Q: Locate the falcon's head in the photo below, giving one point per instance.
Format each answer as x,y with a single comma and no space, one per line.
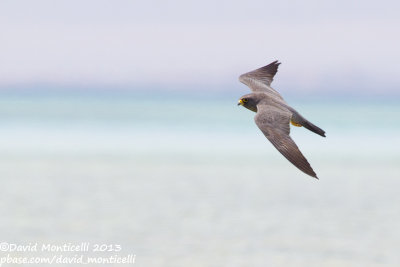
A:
249,101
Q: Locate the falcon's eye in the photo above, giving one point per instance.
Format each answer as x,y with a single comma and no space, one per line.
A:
245,100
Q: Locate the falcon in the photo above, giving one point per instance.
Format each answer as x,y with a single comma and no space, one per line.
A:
274,115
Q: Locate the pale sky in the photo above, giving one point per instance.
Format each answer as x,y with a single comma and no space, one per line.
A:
90,43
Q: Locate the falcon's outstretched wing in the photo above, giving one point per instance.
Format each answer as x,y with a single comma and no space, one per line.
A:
274,123
259,80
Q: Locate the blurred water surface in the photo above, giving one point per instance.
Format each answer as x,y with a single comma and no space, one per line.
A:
189,180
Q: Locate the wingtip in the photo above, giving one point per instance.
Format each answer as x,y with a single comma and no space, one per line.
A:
276,62
314,175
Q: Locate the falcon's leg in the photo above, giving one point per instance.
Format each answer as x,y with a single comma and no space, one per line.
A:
295,124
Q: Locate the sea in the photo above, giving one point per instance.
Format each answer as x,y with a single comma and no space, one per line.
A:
187,179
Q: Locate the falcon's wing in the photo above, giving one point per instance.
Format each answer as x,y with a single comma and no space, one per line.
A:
259,80
274,123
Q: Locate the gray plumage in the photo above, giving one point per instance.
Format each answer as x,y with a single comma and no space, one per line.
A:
274,115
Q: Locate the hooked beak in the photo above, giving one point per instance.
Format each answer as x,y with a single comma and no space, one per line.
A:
240,103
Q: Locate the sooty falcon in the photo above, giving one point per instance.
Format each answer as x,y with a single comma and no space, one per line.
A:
274,115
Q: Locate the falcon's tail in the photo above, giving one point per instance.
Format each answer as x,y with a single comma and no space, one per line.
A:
313,128
297,118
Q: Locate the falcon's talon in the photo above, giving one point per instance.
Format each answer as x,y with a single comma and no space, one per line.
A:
295,124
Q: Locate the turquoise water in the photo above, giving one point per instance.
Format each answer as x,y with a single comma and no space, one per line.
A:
191,181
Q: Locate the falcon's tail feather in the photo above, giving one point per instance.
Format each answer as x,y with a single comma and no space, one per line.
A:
313,128
297,118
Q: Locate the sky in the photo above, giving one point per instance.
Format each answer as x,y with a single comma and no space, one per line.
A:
323,45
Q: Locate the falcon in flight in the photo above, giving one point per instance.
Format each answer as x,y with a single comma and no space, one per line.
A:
274,115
